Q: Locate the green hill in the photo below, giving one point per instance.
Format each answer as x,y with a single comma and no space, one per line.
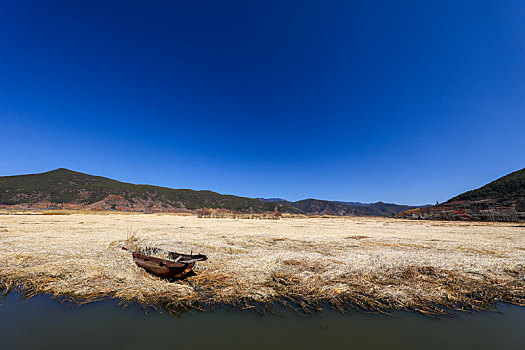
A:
507,188
63,186
501,200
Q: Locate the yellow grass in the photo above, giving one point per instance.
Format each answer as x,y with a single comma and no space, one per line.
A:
369,263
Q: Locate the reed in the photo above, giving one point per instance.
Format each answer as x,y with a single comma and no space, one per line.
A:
228,214
372,264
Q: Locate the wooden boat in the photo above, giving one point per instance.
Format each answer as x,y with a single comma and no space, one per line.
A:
176,266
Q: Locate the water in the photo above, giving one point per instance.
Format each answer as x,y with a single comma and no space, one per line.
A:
42,323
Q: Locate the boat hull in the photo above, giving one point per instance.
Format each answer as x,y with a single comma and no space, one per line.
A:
161,267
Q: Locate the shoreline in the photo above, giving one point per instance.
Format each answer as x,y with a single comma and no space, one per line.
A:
300,307
263,309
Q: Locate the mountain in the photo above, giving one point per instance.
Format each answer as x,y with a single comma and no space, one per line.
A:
355,203
508,190
322,207
391,208
65,188
501,200
280,200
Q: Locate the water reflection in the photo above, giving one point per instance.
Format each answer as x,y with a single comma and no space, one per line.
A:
43,323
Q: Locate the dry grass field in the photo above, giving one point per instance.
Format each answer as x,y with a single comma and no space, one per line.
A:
373,264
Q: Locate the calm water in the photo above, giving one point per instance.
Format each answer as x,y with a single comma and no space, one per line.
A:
41,323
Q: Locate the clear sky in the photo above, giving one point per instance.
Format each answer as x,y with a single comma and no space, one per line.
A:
400,101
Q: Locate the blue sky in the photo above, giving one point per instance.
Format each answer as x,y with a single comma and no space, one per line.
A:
399,101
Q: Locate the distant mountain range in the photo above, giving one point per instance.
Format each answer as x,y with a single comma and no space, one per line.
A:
502,199
63,188
323,207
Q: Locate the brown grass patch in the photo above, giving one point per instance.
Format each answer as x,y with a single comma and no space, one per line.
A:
298,262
